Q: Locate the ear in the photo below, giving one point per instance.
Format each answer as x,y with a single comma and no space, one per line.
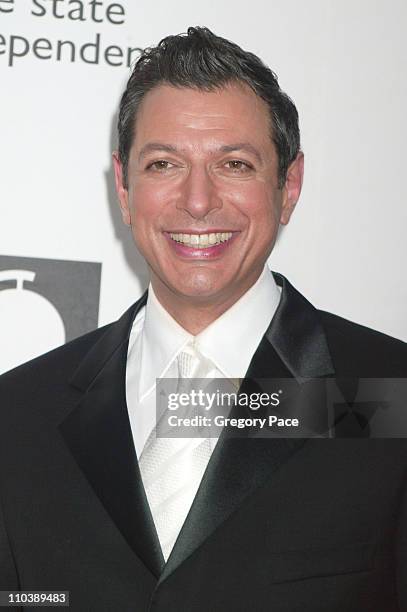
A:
292,187
121,190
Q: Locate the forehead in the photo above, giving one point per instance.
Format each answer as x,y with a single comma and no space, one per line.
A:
233,112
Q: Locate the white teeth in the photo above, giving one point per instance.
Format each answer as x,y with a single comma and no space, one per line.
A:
202,240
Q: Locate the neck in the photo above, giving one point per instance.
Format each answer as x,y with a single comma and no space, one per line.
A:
194,314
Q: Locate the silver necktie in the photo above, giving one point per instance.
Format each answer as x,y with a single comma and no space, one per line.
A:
172,468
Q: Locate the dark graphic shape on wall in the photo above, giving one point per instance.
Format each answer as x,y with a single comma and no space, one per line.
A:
44,303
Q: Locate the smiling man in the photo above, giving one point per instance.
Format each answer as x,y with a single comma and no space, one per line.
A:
92,500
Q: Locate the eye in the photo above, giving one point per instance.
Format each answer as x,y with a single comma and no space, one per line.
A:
159,165
237,165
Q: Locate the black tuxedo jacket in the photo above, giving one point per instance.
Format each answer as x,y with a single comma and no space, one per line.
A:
277,524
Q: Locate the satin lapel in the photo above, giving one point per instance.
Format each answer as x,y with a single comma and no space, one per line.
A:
297,335
294,346
98,434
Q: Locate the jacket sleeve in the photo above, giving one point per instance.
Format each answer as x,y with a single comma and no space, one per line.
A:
8,574
401,554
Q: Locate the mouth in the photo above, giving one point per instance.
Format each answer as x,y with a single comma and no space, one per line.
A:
201,245
201,241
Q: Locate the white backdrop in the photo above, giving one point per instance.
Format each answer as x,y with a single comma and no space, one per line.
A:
343,63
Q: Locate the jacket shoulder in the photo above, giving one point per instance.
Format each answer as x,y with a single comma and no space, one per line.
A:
56,362
363,351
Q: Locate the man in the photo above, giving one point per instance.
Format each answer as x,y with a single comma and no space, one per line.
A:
92,501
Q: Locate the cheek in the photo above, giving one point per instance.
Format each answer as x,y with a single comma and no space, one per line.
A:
147,204
260,204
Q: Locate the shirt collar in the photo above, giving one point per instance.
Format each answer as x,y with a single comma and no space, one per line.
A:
230,341
163,338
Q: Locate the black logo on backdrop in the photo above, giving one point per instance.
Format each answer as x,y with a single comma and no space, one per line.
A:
44,303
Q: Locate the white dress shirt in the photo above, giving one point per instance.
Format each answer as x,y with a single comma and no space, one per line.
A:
156,340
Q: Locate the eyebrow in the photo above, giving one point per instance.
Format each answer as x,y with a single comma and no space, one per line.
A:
241,146
156,146
150,147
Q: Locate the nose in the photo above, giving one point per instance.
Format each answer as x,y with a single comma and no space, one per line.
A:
199,196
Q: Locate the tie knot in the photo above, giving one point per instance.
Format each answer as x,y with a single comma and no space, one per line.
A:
185,361
192,364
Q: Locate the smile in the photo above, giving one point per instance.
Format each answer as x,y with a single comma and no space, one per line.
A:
202,240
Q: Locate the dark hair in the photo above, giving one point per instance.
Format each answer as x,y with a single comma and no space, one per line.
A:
202,60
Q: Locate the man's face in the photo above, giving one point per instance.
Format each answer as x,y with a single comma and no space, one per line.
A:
203,199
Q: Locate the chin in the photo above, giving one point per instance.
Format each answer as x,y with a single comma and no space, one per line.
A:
199,286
